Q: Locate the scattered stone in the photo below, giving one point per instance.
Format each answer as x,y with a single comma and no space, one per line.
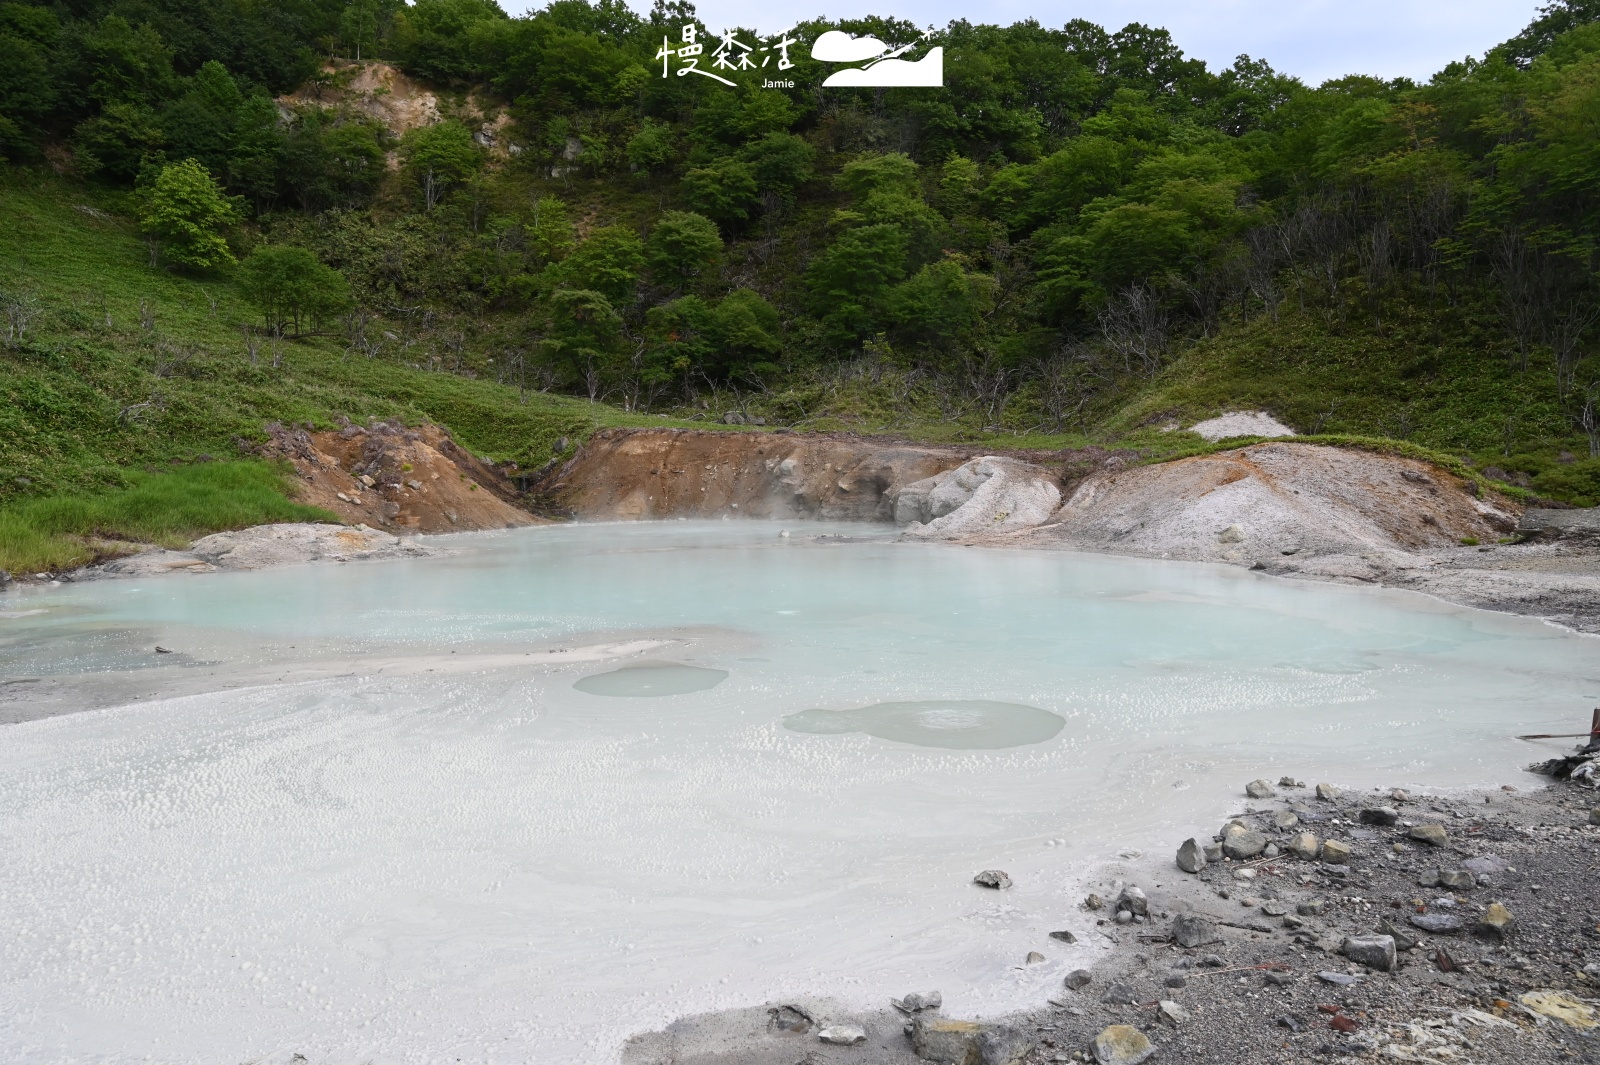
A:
1338,979
1457,880
1122,1044
1093,902
1172,1013
1033,958
1124,917
1485,866
1212,961
1336,853
1191,856
1379,815
1594,816
992,878
1403,941
1280,979
789,1019
1399,795
1078,979
918,1001
1496,921
1270,851
1284,820
1176,980
939,1039
1191,931
1433,835
1290,1023
1292,923
842,1035
1428,878
1241,844
1375,952
1133,900
1259,789
1304,845
1327,792
1562,1007
1120,994
1439,924
1314,908
1274,909
1213,852
1064,936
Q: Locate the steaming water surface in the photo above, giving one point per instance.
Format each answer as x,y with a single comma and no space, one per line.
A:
513,804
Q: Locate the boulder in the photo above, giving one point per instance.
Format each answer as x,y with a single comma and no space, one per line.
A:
946,1041
1373,951
1191,856
1033,958
1336,853
1000,1045
1457,880
1379,815
1122,1044
1120,994
1259,789
1213,852
1432,835
1284,820
1241,844
1133,900
1304,845
1064,936
1171,1012
1327,792
1402,940
1078,979
992,878
1191,931
917,1001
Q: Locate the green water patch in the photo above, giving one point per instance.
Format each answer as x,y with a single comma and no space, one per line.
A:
650,680
952,724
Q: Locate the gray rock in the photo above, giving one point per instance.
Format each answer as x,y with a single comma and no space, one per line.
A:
1270,851
942,1040
1304,845
1133,901
1432,835
1439,924
1485,865
1290,782
1379,815
1496,921
1189,930
1457,880
1191,856
1280,979
1259,789
1171,1012
1594,816
1336,853
1290,1023
1176,980
1338,979
1093,902
1122,1044
1314,908
1375,952
1078,979
789,1019
918,1001
1284,820
1327,792
1064,936
1428,878
992,878
1213,852
1000,1045
842,1035
1033,958
1120,994
1124,917
1212,961
1274,909
1292,923
1242,844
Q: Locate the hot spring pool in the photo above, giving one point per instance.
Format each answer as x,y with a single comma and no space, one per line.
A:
514,804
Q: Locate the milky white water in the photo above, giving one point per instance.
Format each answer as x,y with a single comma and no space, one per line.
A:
409,837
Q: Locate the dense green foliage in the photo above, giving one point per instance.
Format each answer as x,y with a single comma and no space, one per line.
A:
1084,235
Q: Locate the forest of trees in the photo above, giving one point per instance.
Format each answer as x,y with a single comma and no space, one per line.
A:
1069,211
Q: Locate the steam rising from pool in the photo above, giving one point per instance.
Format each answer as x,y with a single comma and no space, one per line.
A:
514,804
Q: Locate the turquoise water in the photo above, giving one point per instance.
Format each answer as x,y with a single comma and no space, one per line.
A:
421,810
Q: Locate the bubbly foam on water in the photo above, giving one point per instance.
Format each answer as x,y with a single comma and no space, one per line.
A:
383,825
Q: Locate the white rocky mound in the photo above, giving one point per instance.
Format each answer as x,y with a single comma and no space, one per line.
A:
266,545
983,495
1240,423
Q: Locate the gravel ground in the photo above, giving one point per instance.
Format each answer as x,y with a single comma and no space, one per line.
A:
1267,981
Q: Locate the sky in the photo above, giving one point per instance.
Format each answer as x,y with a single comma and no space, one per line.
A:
1311,39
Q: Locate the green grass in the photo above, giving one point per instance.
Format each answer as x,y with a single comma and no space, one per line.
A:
61,531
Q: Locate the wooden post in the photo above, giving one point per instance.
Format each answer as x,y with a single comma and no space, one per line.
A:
1594,727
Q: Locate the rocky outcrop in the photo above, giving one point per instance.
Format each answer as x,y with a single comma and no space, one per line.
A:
262,546
403,479
984,495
